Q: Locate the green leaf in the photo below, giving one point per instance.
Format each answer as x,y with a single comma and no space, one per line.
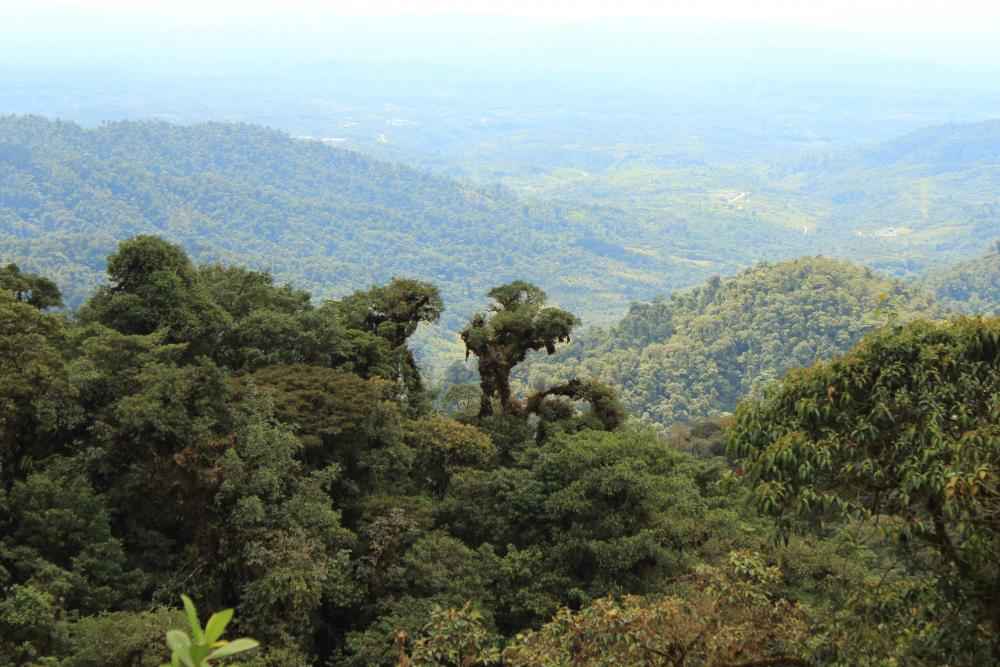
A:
192,616
178,641
217,625
233,647
198,653
180,644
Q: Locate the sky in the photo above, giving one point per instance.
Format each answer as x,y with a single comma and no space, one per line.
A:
972,15
959,32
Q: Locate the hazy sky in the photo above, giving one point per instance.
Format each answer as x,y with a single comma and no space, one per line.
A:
882,66
965,33
978,15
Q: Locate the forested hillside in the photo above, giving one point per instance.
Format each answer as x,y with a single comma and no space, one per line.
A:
972,286
332,221
697,353
200,430
941,148
326,219
934,189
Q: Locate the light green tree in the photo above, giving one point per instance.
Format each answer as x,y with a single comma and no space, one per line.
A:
900,435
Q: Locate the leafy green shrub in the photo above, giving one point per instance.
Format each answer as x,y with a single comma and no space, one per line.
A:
27,617
115,639
452,638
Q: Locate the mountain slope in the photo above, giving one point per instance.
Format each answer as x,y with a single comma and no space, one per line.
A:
326,219
942,147
972,286
697,353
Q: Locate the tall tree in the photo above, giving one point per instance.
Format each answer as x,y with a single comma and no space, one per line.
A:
393,312
502,336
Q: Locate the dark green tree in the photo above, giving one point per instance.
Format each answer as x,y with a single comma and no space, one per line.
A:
35,290
281,551
590,514
342,420
442,446
34,392
153,287
393,311
56,537
606,411
242,291
502,336
279,325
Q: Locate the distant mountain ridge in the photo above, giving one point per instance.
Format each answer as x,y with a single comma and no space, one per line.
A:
904,206
331,221
326,219
938,148
943,147
932,195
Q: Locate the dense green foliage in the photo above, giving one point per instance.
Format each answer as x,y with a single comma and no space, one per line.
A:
697,353
200,429
902,434
189,424
37,291
972,286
